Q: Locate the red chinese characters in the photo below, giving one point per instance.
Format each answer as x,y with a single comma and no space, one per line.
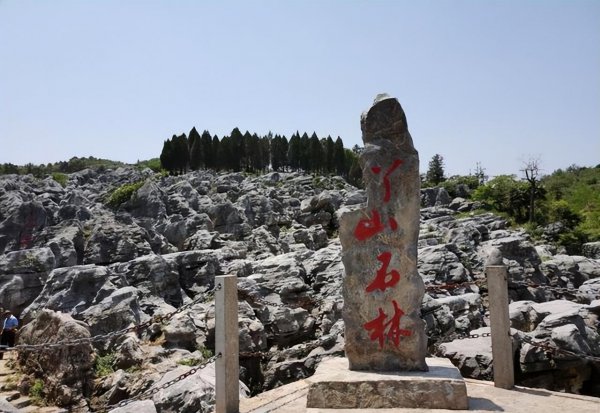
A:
381,281
369,227
386,178
380,328
383,327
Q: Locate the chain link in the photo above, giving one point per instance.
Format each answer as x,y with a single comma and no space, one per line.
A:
559,290
153,390
553,349
300,390
108,336
453,286
262,301
267,354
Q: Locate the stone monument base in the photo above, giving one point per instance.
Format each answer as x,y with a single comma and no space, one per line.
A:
335,386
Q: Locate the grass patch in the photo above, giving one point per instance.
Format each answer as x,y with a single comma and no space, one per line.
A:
36,392
103,365
123,194
61,178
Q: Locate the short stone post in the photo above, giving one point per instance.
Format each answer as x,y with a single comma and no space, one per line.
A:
227,392
502,351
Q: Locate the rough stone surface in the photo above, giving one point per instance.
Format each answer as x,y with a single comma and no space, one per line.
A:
382,288
68,371
335,386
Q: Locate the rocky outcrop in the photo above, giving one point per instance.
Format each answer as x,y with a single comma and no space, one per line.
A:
67,372
112,268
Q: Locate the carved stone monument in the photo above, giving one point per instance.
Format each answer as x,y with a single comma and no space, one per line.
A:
382,288
385,337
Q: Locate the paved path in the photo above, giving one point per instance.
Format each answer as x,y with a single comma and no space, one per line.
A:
483,397
10,399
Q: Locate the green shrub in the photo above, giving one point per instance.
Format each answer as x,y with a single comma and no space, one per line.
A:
60,178
189,362
103,365
123,194
36,392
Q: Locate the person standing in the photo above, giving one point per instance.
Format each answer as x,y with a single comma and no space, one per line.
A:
9,331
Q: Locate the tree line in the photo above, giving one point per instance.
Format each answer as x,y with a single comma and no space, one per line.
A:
257,154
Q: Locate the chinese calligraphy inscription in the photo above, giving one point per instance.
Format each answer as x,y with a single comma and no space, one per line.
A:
382,288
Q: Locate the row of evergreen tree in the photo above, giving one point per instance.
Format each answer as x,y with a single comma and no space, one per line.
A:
252,153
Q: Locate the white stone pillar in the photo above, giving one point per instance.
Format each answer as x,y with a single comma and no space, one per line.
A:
502,350
227,344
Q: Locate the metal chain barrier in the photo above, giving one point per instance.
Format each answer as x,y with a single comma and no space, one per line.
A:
153,390
262,301
559,290
267,354
108,336
553,349
453,286
303,391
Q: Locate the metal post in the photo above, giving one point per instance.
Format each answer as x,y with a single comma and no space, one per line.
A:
502,351
227,343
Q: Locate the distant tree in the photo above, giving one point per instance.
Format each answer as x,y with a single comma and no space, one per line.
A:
294,152
251,153
181,153
277,161
435,173
329,155
480,173
266,154
305,163
167,156
216,161
196,153
354,172
339,157
315,156
237,153
9,168
531,169
505,193
227,155
207,150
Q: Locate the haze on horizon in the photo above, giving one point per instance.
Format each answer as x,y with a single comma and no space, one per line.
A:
489,82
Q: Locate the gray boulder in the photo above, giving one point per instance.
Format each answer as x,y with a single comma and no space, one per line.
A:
22,276
434,197
68,374
591,250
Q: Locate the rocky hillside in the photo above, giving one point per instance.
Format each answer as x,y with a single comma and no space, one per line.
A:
114,250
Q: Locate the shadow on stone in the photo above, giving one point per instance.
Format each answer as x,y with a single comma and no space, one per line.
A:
479,403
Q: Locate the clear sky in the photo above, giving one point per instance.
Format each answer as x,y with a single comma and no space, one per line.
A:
494,82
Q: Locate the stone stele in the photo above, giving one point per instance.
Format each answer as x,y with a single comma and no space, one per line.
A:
382,288
385,365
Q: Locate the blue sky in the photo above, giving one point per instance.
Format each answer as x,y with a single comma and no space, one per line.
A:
494,82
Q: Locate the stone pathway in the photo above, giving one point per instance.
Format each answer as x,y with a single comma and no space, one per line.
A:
11,401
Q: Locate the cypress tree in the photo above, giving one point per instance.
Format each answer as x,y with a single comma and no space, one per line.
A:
305,152
207,150
217,162
167,159
315,154
196,154
435,173
329,155
294,149
339,157
236,151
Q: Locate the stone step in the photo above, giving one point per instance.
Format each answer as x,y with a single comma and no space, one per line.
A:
10,395
45,409
22,402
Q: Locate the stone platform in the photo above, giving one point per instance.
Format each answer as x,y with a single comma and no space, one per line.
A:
335,386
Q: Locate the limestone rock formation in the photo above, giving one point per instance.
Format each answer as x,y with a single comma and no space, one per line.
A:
67,372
